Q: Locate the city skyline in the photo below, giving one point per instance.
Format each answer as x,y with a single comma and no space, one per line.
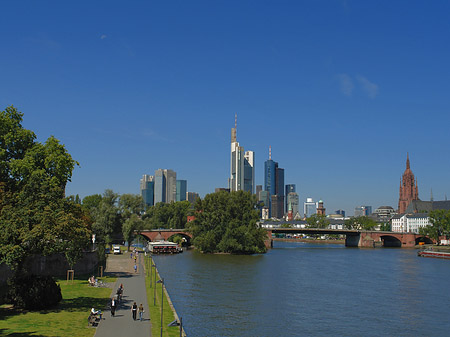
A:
341,90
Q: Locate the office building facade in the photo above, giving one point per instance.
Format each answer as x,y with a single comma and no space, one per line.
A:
160,186
147,187
309,207
181,190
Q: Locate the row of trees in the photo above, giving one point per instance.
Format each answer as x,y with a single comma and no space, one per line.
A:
116,217
359,222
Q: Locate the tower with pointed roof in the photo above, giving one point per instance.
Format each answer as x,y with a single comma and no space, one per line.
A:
408,188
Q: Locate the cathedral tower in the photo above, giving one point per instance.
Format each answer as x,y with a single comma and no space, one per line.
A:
408,189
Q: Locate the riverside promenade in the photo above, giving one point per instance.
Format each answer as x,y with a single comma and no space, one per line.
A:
122,324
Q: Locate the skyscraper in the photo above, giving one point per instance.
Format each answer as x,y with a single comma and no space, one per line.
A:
289,188
160,186
274,184
171,185
292,202
249,172
147,189
181,190
242,165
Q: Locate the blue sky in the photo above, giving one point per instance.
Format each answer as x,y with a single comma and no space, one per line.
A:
341,90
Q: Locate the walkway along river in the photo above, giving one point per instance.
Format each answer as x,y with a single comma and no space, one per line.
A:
303,289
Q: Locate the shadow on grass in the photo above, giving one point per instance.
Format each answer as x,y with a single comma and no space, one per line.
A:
4,332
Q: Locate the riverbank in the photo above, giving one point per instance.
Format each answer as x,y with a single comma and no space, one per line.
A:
320,241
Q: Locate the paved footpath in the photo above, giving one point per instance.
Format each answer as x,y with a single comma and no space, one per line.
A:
122,324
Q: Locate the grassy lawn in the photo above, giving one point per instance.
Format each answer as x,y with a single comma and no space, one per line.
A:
155,310
69,318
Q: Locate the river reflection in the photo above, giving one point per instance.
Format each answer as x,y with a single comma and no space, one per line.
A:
300,289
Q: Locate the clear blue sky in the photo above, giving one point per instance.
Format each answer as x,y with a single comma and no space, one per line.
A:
341,90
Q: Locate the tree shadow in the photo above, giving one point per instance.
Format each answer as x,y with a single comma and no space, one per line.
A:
4,332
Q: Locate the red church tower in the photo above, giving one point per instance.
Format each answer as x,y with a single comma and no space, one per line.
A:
408,189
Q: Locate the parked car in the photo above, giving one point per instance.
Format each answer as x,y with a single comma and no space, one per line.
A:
116,250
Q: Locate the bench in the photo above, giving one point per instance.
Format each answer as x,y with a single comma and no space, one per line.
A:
94,319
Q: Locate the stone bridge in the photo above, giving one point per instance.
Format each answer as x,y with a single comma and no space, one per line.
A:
165,234
359,238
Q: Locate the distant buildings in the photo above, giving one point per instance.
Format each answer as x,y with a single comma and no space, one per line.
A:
410,223
320,209
309,207
192,197
162,187
363,211
340,212
292,200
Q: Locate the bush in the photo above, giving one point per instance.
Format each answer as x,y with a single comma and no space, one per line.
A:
34,292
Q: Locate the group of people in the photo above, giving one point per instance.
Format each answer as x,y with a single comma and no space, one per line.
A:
92,281
135,310
135,254
116,299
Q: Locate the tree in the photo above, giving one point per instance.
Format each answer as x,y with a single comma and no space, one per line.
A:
360,223
132,224
440,225
107,217
35,218
317,221
227,222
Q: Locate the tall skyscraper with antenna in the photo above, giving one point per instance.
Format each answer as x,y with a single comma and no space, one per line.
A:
242,165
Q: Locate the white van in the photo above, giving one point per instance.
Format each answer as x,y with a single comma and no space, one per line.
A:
116,250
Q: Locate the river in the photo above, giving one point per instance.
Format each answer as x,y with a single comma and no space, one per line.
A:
304,289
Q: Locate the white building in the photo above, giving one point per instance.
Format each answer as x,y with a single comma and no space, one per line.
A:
309,207
410,223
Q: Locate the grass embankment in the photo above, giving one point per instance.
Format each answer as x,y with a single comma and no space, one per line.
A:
155,310
69,318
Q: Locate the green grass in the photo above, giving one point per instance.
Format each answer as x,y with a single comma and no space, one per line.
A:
69,318
155,310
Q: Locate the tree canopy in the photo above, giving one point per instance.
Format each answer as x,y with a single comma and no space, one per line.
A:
227,222
440,225
35,217
360,223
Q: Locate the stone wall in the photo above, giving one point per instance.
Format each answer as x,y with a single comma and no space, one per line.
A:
55,265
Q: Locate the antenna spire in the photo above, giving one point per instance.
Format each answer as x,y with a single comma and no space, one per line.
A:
270,152
235,120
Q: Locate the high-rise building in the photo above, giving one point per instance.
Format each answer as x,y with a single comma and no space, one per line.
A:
277,206
288,189
258,190
249,172
181,190
341,212
309,207
147,188
242,165
408,189
160,186
363,211
274,184
264,197
292,202
192,197
270,176
171,185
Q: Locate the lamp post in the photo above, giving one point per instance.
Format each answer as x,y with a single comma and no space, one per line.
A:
154,289
162,301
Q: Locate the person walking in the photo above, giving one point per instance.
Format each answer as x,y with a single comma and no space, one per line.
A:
141,312
135,268
113,306
134,310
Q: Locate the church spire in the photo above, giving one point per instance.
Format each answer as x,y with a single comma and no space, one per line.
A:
407,160
431,196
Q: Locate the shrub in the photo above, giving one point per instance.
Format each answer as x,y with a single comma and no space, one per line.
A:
34,292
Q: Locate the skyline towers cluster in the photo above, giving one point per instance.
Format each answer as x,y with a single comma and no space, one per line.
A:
162,187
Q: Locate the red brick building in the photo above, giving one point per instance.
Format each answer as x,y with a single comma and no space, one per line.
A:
408,189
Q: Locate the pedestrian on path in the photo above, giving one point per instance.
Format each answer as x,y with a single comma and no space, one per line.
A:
135,268
113,306
141,312
134,310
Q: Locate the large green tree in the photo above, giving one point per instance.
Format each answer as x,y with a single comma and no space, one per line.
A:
227,222
360,223
440,225
317,221
35,217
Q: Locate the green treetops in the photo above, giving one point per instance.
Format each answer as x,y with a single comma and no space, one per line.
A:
440,225
227,222
35,218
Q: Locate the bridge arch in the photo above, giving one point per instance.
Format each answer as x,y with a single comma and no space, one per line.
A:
165,234
390,241
424,239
